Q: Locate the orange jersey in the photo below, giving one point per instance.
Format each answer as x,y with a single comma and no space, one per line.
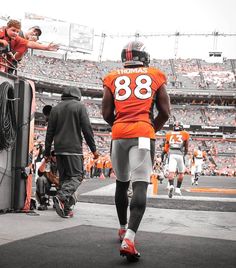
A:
134,91
99,163
175,140
108,164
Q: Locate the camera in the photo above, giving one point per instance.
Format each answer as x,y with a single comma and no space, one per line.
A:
4,49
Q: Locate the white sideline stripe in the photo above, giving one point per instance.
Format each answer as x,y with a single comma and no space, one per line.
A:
199,198
109,190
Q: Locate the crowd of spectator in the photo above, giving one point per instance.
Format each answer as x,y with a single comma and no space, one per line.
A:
183,73
202,74
187,114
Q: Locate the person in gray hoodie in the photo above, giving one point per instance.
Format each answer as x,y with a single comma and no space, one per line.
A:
67,122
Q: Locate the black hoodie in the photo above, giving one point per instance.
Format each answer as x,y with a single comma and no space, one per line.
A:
67,121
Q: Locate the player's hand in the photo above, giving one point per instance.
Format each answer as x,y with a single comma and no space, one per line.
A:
95,155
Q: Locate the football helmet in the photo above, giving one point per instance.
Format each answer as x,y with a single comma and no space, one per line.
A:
178,126
134,54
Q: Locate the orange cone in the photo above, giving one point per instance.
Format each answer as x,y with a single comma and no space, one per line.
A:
155,184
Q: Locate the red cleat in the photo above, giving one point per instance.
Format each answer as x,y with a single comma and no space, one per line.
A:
69,214
128,249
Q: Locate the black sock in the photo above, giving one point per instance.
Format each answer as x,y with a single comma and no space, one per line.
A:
179,183
137,204
122,201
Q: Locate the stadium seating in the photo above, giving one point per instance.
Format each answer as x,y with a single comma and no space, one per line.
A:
183,73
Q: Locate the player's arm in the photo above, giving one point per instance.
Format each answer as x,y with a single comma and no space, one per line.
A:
166,147
108,106
186,145
163,107
42,167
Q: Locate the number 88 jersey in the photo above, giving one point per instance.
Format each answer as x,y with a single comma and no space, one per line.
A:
134,92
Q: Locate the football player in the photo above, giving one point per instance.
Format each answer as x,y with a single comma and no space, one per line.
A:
176,145
198,157
130,94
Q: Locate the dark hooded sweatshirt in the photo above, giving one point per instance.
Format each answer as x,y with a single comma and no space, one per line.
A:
67,121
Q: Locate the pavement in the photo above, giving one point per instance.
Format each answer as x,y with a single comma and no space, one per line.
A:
197,229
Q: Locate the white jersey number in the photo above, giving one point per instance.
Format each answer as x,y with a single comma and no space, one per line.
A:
176,139
122,84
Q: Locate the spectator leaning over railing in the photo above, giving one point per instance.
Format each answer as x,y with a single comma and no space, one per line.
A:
32,34
15,46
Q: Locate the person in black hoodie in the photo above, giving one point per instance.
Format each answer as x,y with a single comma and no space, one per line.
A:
67,122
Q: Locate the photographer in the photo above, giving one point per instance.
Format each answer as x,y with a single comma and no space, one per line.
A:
47,177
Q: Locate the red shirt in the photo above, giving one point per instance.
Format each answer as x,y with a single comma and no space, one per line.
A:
18,44
134,91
